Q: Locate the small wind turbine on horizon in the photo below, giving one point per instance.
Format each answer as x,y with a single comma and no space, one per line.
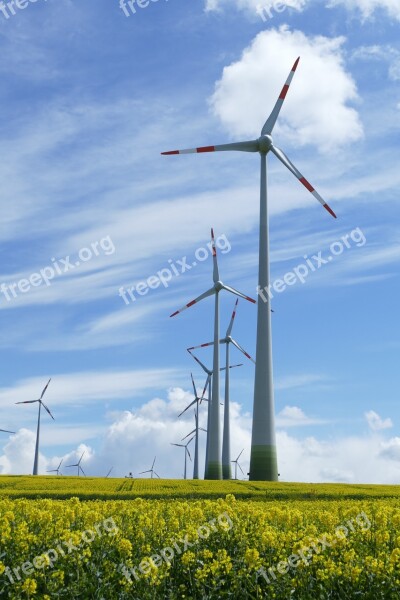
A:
41,403
152,471
226,438
187,454
236,463
78,465
263,458
57,471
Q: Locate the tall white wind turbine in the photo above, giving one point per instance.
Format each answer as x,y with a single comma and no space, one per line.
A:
214,464
263,459
226,438
41,403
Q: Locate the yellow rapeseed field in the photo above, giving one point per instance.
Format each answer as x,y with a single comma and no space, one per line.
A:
170,548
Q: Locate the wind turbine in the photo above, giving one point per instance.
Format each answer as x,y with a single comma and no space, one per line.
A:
226,440
208,383
263,460
41,403
214,465
187,453
56,470
236,462
152,471
78,464
196,401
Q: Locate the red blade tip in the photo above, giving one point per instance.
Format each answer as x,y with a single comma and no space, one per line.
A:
330,211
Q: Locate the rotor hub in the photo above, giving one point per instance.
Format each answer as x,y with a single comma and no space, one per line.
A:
219,286
265,143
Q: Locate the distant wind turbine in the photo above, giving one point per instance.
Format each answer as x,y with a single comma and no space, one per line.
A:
208,383
226,440
56,470
41,403
236,463
196,401
78,465
187,454
152,471
263,459
214,464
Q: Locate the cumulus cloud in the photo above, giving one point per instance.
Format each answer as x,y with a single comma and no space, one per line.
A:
293,416
317,110
369,7
386,53
375,422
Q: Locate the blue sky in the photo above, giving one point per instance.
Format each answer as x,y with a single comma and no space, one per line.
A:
89,99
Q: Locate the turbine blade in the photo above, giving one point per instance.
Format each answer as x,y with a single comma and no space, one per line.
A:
6,431
194,385
242,350
240,454
191,404
232,367
82,471
215,259
228,288
27,402
187,450
286,161
204,390
201,346
201,364
186,436
240,468
179,445
157,475
250,146
45,388
198,299
229,330
45,407
270,122
154,462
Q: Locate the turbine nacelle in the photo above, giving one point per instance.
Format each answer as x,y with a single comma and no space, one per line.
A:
265,143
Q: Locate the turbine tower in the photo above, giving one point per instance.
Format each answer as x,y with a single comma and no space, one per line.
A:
39,400
214,465
263,459
226,438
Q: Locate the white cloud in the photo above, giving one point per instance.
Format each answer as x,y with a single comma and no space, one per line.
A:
317,109
388,54
376,423
293,416
369,7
